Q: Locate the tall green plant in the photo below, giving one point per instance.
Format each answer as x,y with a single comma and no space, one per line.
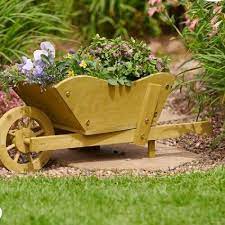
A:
22,23
204,36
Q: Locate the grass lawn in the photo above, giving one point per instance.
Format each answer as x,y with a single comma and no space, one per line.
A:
197,198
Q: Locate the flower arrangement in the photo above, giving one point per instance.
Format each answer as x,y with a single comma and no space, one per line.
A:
118,61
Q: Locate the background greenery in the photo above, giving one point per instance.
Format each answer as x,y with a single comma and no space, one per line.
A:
208,49
114,18
26,22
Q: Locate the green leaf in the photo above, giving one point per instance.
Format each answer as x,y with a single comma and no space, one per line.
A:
112,81
45,59
128,83
121,81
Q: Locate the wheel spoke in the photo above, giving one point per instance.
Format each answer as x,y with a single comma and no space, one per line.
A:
19,124
30,158
16,157
10,147
29,123
38,133
12,133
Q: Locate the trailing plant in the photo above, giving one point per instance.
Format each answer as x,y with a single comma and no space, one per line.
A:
118,61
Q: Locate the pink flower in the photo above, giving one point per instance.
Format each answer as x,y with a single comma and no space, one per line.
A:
215,23
8,102
214,20
155,6
217,9
153,2
215,29
191,24
151,57
152,11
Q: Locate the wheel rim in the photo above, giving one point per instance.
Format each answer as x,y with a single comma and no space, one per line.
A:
16,125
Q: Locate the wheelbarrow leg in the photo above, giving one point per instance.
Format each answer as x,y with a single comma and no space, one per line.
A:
151,149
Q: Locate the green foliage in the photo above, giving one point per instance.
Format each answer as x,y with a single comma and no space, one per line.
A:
116,60
195,198
10,77
25,22
206,41
113,18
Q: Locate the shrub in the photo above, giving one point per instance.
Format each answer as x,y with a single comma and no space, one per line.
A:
204,36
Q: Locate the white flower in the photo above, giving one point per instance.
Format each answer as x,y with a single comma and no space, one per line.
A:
38,53
49,47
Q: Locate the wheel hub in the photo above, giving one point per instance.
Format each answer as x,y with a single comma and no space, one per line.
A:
20,136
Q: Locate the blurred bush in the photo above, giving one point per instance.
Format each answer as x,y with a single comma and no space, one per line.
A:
24,22
8,101
114,18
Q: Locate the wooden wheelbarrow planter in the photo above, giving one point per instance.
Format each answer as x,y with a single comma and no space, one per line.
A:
88,112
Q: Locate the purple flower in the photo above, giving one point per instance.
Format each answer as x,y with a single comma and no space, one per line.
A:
26,66
39,67
48,50
35,71
38,71
71,51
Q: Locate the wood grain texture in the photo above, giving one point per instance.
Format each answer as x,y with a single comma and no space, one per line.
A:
101,108
89,105
77,140
151,149
147,113
50,102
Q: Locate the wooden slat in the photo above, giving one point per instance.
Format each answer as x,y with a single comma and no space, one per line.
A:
147,114
77,140
177,130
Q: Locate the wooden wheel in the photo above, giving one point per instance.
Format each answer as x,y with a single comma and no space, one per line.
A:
16,125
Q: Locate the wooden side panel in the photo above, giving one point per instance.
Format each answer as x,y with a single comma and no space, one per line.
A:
51,103
147,112
101,108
